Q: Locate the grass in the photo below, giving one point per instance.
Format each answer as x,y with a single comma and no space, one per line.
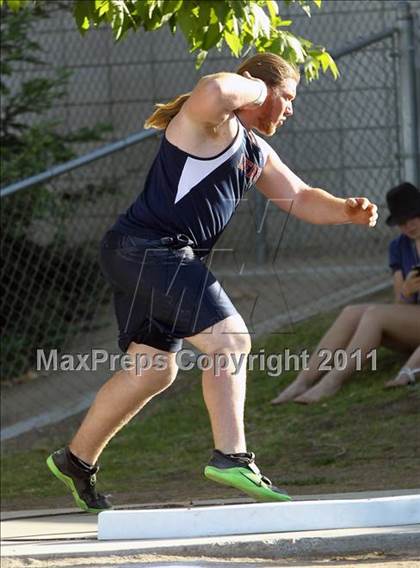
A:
363,438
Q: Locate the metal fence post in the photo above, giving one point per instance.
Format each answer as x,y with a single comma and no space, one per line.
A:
409,119
416,44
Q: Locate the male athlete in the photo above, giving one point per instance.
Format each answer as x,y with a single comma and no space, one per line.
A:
163,292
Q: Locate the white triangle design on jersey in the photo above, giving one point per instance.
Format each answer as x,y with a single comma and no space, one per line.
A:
195,170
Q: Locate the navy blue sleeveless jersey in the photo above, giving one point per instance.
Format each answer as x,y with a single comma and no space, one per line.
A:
185,194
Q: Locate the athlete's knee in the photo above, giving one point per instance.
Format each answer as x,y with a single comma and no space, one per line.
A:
166,372
158,370
229,353
227,336
232,342
163,380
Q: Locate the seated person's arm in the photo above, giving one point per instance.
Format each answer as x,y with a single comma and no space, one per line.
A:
406,288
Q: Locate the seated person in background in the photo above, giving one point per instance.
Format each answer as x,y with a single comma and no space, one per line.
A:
365,327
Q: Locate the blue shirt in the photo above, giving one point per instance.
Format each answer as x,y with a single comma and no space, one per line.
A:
195,196
403,256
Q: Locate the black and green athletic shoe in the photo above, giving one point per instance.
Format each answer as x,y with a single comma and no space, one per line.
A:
80,480
241,472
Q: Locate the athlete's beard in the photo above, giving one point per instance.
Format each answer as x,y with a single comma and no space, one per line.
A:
266,126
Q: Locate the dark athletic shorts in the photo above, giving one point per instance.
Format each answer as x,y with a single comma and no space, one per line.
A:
161,293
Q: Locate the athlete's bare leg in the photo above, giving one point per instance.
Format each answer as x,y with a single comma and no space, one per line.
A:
121,397
224,394
394,321
337,337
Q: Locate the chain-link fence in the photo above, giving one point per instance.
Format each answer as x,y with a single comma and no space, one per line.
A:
344,137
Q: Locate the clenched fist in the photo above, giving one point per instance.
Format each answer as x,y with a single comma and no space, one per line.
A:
361,211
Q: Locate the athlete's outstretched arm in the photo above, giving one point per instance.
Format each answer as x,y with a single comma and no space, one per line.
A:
284,188
215,97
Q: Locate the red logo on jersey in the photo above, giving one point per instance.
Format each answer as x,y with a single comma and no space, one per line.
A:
251,170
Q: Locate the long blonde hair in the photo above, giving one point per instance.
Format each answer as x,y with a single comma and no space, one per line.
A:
269,67
165,112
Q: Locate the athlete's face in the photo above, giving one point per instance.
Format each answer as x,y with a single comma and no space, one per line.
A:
277,107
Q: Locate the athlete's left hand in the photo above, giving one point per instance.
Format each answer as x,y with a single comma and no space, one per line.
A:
361,211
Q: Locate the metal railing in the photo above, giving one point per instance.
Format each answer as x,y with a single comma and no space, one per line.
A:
79,162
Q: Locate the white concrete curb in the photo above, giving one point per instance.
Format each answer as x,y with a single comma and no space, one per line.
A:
259,518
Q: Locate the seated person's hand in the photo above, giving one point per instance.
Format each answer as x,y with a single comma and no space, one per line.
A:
411,284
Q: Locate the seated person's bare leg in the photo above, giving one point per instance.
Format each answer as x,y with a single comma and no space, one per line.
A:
337,337
121,397
395,321
403,377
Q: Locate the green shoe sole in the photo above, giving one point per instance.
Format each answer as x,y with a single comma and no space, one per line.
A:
246,481
70,484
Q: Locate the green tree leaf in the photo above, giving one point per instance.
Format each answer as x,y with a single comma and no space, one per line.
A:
102,7
273,8
207,24
200,59
212,36
171,6
14,5
81,15
328,63
295,46
233,42
261,21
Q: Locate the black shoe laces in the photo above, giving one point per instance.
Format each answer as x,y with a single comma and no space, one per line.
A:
248,458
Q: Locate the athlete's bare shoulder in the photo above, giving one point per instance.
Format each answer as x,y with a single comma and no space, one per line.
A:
206,122
201,139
